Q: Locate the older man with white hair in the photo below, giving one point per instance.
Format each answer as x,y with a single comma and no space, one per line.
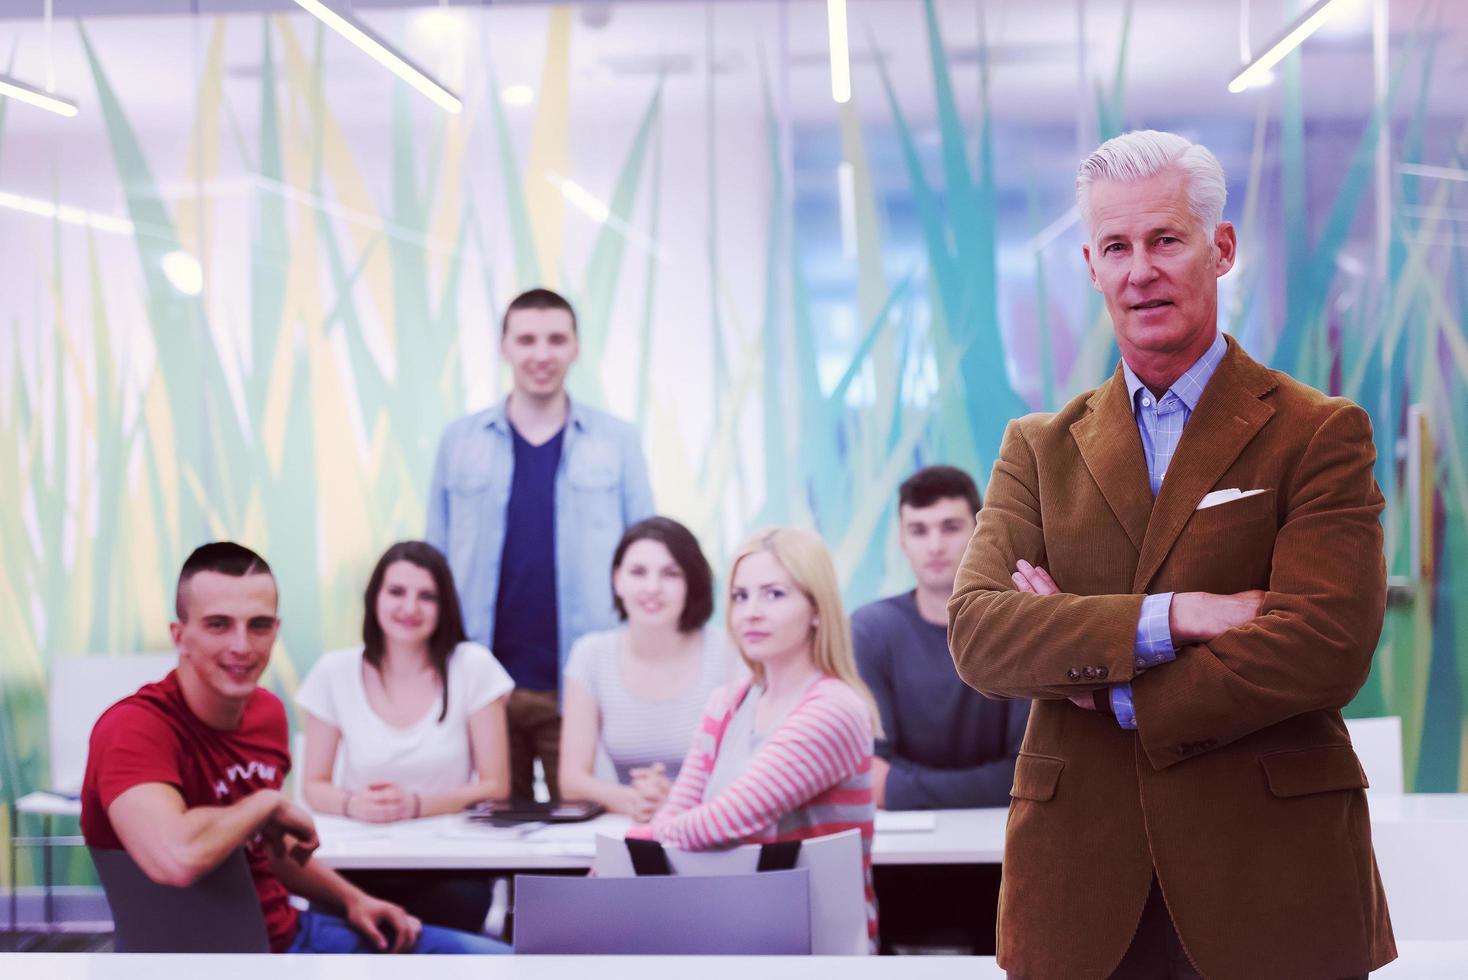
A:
1184,569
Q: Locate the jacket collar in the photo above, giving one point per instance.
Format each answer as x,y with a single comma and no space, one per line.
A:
1228,414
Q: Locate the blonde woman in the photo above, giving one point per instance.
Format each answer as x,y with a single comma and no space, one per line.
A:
786,754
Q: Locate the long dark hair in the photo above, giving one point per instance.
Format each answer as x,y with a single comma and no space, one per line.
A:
449,632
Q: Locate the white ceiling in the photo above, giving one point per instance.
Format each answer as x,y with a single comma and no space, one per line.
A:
1179,57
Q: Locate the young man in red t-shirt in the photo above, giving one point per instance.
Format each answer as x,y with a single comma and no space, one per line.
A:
186,770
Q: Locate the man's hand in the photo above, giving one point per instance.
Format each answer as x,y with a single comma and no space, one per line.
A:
1034,579
291,832
370,916
382,803
1198,617
880,768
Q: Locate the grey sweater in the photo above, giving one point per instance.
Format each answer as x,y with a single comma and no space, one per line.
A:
948,745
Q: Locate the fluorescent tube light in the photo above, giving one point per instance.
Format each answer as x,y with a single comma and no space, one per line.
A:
385,54
846,196
184,272
580,198
517,95
1428,170
65,213
1256,72
16,89
840,51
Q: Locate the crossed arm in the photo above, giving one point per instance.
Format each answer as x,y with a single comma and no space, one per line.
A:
1308,647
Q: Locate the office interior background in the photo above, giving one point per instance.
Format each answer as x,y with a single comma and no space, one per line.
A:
247,284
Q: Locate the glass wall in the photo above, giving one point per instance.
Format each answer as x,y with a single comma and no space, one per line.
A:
249,283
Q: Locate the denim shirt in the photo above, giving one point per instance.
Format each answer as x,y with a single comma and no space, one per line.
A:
601,488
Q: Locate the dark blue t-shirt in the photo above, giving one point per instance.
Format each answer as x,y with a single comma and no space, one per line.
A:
526,636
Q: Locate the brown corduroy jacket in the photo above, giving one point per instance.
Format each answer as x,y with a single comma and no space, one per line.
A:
1239,788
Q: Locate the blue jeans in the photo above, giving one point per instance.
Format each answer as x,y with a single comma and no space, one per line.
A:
318,932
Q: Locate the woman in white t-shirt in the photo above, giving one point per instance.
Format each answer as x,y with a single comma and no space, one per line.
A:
411,723
633,695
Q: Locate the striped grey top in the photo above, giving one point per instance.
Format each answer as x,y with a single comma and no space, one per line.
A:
640,731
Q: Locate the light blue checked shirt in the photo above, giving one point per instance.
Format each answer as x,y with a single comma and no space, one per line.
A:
1160,422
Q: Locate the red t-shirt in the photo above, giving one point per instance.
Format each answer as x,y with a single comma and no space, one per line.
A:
153,737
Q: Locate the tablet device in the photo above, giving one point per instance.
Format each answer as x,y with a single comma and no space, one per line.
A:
506,812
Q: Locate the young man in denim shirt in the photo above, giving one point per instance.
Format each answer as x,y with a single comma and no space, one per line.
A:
527,502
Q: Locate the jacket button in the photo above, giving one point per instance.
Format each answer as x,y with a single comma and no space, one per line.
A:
1101,672
1185,748
1140,663
1088,672
1073,674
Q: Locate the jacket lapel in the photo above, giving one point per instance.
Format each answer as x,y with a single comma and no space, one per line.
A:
1228,416
1112,450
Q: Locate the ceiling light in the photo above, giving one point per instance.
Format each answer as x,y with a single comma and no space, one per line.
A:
840,50
65,213
846,198
1256,72
517,95
29,94
580,198
439,24
385,54
1428,170
184,272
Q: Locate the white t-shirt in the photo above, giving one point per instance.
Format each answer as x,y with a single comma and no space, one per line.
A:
429,756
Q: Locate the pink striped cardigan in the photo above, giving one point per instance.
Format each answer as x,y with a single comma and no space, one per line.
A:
810,777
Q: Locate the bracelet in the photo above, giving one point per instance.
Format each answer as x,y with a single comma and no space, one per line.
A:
417,806
346,804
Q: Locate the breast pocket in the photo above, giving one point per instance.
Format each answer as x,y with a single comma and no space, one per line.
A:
471,469
1239,513
475,489
1226,548
593,470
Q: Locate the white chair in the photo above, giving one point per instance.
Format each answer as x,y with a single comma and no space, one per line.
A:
78,691
1378,744
838,913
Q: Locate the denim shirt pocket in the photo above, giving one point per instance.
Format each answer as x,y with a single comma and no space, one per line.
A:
594,479
593,469
477,484
477,464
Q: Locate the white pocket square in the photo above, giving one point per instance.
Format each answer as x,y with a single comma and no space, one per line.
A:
1224,496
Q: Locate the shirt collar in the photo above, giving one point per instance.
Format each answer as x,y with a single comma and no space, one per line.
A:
1189,387
496,418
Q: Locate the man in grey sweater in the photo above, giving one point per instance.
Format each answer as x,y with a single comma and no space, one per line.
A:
945,745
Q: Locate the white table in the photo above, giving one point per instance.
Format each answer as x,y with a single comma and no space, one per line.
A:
939,837
1424,822
149,966
1421,843
1419,961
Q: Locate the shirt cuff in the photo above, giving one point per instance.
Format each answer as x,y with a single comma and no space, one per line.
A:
1121,706
1154,635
